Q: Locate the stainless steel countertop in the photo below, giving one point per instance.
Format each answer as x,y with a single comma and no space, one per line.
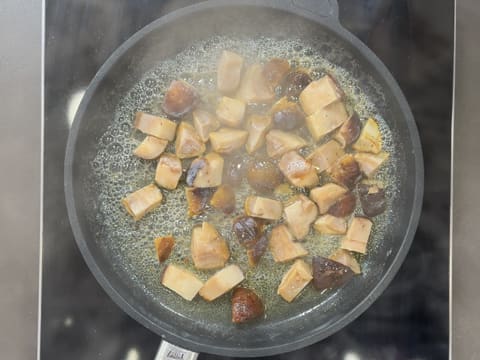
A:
20,79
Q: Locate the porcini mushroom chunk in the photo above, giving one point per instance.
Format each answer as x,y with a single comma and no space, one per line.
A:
275,70
327,119
279,142
326,195
155,125
188,143
204,122
197,199
370,163
150,148
226,141
229,71
346,171
254,87
263,208
246,306
257,127
181,281
224,199
329,274
206,171
282,245
331,225
297,170
230,111
349,131
221,282
326,155
209,249
169,170
319,93
370,139
346,258
295,280
180,98
357,235
164,246
142,201
300,212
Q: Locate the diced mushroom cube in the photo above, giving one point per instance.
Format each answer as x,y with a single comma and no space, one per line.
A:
204,122
319,94
164,246
257,127
142,201
256,251
181,281
222,282
254,87
357,235
169,170
155,125
344,205
331,225
329,274
282,245
206,171
275,70
372,199
370,139
295,280
280,142
300,212
197,199
346,258
346,171
229,71
230,111
370,163
224,199
180,98
286,115
326,195
326,155
246,306
297,170
263,208
188,143
226,141
349,131
150,148
327,119
209,249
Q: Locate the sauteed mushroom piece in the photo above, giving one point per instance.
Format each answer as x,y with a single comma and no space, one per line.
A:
326,155
206,171
319,93
346,258
257,127
279,142
230,111
372,199
229,71
370,139
282,245
349,131
181,281
327,119
204,122
197,199
329,274
180,98
150,148
297,170
246,306
226,141
155,125
247,229
295,82
164,246
370,163
188,143
256,251
209,249
326,195
275,70
263,208
344,205
331,225
295,280
169,170
286,115
357,235
142,201
224,199
254,87
221,282
263,175
234,169
299,213
346,171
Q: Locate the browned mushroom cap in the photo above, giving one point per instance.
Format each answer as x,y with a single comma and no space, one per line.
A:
180,98
344,206
275,70
263,175
329,274
247,229
224,199
197,199
346,171
349,131
372,199
256,251
164,246
295,82
246,306
286,115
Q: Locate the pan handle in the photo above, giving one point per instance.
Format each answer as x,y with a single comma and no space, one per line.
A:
323,8
168,351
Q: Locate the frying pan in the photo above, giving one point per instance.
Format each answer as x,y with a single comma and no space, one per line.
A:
165,37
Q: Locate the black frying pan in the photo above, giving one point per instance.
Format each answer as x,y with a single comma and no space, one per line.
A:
300,326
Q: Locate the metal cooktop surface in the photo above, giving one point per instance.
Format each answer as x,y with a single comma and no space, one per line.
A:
409,321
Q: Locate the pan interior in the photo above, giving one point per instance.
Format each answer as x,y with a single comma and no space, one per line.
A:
105,171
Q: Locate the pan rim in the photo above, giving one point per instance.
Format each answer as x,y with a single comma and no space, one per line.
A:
168,331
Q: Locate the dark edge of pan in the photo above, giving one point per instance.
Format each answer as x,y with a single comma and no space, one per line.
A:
169,332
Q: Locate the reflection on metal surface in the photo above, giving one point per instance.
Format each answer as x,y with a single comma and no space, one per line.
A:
73,104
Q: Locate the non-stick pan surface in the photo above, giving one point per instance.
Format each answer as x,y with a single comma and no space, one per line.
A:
300,325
